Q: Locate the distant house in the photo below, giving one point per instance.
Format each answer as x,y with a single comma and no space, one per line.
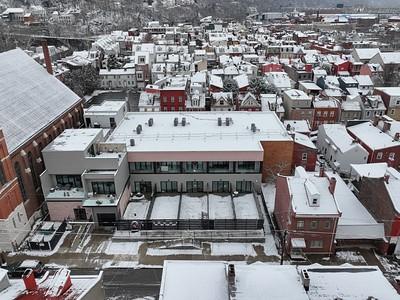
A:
391,98
117,78
222,101
249,102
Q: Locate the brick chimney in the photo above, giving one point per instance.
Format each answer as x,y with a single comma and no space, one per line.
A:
386,126
397,136
321,170
47,59
376,120
29,280
332,185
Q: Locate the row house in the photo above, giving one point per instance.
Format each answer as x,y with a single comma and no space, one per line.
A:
273,102
298,105
279,81
118,78
173,94
339,148
304,152
299,72
378,181
391,98
248,102
380,138
390,62
28,82
350,109
325,112
305,208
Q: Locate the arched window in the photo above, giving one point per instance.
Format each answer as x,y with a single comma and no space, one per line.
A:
18,171
33,171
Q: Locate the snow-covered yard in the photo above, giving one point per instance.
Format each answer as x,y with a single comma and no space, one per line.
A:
245,249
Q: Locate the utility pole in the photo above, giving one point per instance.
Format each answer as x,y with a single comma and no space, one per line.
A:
283,242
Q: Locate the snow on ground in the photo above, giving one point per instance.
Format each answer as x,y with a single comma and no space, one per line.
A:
192,207
220,207
165,207
163,252
269,191
120,264
350,256
270,246
246,249
122,248
389,266
137,210
245,207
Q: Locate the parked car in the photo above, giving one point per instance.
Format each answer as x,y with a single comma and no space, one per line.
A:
17,270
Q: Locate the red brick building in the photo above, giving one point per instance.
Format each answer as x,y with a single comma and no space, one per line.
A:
173,94
36,107
387,209
381,138
325,112
271,67
306,210
304,152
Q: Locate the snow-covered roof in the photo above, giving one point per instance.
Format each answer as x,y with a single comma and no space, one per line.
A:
391,91
366,53
106,106
136,210
339,136
128,71
216,81
30,98
208,280
200,133
304,140
373,136
242,80
75,140
348,282
374,170
294,94
390,57
355,222
364,80
311,86
301,189
302,126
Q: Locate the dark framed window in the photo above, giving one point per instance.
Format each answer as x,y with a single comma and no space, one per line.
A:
21,183
80,214
194,167
2,175
105,188
219,167
169,186
220,187
141,167
244,186
194,186
143,187
69,181
247,167
35,178
168,167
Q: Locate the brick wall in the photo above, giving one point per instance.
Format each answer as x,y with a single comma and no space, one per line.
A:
309,163
278,157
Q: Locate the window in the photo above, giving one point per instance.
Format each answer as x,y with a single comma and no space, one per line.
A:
247,167
112,123
300,224
316,244
391,155
304,156
325,113
69,181
168,167
143,187
194,167
139,76
18,171
327,224
169,186
105,188
220,187
392,111
219,167
379,155
244,186
318,113
180,99
314,224
332,114
35,179
194,186
2,176
141,167
165,99
80,214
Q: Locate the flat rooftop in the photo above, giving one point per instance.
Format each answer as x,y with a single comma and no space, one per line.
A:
74,140
200,133
208,280
105,107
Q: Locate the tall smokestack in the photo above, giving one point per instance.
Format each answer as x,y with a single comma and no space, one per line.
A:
47,58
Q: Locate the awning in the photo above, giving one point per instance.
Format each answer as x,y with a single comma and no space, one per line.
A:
298,243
